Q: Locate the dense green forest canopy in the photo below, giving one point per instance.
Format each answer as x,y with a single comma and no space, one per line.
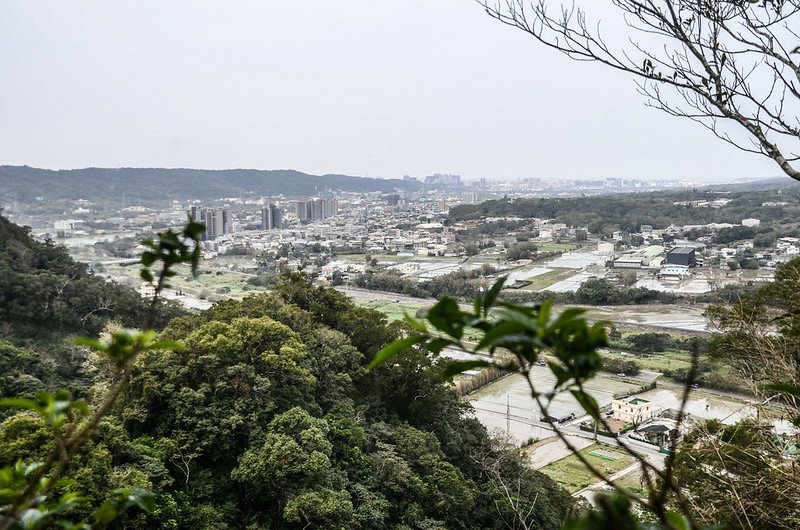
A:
605,213
268,418
25,183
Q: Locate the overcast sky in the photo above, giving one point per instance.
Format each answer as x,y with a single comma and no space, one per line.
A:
361,87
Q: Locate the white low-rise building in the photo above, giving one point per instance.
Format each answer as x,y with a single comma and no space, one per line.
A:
632,410
147,290
605,248
674,271
68,224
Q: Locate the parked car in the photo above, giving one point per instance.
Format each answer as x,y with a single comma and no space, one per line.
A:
567,418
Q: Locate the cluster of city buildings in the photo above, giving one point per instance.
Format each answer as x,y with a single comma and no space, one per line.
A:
219,221
412,224
535,184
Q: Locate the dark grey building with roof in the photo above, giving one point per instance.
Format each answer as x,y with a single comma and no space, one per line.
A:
682,256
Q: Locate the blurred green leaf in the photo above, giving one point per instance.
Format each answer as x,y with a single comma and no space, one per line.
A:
414,323
677,521
436,346
784,388
393,348
106,513
587,402
491,295
447,317
562,375
454,368
19,403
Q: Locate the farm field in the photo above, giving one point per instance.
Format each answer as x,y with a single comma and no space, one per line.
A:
543,281
655,362
571,473
393,310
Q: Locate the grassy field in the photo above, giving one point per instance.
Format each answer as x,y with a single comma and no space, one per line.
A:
543,281
213,282
393,310
571,473
557,247
657,362
632,482
207,282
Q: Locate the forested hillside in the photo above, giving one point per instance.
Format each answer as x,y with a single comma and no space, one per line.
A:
629,211
41,286
46,297
147,184
268,418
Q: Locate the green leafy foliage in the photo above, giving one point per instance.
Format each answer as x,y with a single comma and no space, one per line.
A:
172,248
740,472
760,339
525,331
27,488
125,344
56,409
268,417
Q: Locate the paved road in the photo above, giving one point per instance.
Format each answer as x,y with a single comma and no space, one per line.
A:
552,449
573,429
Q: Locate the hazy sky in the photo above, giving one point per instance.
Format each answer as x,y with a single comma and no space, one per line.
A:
378,87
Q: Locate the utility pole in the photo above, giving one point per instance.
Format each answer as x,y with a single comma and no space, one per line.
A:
508,416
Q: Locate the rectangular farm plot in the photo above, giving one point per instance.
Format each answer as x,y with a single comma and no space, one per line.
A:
574,476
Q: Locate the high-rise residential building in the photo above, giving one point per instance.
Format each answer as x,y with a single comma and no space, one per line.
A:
330,208
196,214
216,221
316,209
392,199
271,217
301,210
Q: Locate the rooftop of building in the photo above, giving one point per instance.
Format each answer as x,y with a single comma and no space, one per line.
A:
682,250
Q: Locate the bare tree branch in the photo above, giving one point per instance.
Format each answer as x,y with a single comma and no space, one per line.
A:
731,65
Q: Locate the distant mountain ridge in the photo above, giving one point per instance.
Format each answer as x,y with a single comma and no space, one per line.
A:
27,183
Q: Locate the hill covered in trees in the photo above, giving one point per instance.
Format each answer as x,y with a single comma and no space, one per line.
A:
605,213
46,297
267,418
147,184
42,287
